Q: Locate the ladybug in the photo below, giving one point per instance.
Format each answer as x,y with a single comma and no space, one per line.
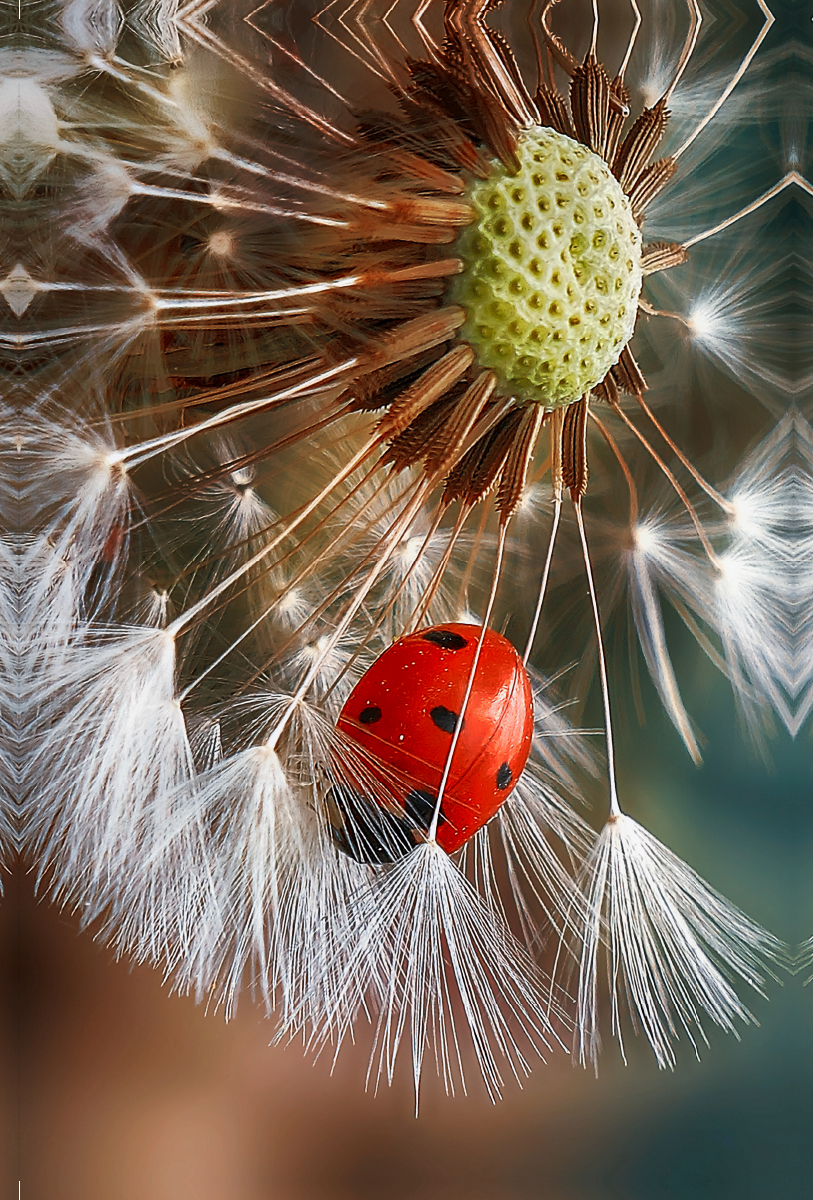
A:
403,713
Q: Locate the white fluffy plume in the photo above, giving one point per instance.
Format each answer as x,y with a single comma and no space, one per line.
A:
113,739
424,948
238,887
672,946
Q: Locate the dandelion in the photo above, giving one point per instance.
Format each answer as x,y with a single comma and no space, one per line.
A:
735,594
342,358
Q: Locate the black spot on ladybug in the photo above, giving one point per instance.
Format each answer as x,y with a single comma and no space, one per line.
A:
504,776
445,719
447,639
369,715
367,833
420,807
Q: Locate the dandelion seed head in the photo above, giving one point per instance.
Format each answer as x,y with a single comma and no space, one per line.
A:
737,297
100,199
325,659
246,511
220,202
314,649
155,607
552,270
703,322
216,858
732,570
533,500
188,91
652,88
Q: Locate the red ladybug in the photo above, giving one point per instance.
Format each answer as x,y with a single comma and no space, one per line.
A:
403,713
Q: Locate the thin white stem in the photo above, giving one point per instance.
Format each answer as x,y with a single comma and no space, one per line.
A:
615,807
744,65
433,828
105,66
417,20
670,475
180,298
136,455
651,311
792,177
221,201
710,491
594,40
695,21
633,38
543,587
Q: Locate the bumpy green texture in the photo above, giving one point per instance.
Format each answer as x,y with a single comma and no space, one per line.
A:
552,271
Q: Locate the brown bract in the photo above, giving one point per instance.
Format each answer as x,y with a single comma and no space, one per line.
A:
368,278
460,113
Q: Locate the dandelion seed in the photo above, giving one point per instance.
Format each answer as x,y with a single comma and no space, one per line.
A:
116,738
420,914
739,597
673,945
75,556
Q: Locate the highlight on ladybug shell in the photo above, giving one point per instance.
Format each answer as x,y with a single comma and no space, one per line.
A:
402,716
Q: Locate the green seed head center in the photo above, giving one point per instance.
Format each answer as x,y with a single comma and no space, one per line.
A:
551,271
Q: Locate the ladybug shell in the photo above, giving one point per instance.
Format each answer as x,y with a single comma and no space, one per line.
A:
404,709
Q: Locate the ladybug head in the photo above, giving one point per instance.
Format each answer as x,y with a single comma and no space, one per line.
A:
369,833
